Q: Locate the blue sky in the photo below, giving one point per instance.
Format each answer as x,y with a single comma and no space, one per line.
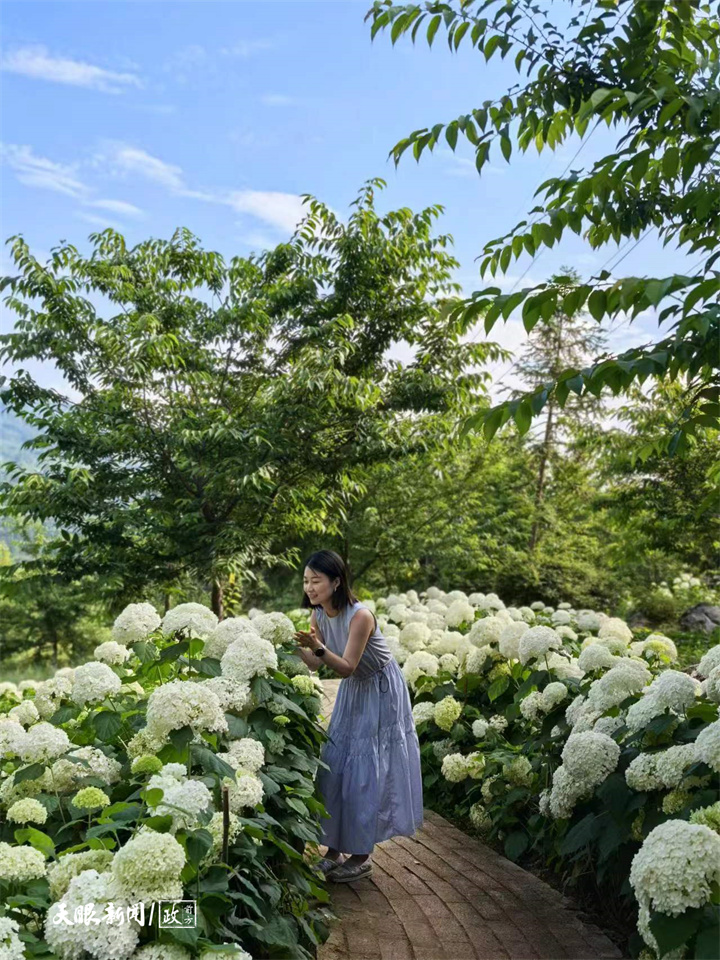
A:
216,116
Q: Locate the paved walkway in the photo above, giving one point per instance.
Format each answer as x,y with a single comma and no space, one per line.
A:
441,895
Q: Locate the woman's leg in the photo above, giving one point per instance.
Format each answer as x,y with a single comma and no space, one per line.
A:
332,853
357,859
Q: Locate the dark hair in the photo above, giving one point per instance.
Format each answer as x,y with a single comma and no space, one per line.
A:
333,566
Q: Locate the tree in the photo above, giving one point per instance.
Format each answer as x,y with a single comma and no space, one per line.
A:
650,66
224,407
563,341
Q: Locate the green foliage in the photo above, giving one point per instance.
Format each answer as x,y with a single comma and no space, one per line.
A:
649,69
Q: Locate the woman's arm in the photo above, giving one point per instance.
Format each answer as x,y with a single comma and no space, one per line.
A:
361,627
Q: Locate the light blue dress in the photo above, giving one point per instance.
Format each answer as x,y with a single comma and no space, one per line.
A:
373,789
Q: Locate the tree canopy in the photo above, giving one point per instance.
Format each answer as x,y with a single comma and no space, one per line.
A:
649,68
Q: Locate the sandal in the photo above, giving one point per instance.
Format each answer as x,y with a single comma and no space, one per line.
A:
327,864
349,872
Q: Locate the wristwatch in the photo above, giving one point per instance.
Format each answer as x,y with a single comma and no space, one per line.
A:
319,651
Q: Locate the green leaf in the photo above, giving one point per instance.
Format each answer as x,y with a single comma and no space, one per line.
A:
153,796
209,667
506,147
145,652
498,687
261,689
198,845
181,737
107,723
708,938
31,772
516,844
523,417
433,29
174,651
36,838
597,303
212,763
673,932
582,834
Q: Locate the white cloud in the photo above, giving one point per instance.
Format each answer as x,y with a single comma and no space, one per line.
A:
125,159
117,206
36,62
34,171
258,241
281,210
246,48
96,221
464,167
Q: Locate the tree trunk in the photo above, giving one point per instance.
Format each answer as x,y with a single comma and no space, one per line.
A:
217,599
167,603
540,487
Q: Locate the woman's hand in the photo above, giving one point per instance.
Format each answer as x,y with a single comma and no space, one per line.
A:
307,638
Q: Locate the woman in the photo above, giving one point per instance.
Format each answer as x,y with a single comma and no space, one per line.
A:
373,789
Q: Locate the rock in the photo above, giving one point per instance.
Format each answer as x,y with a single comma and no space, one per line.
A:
702,618
638,619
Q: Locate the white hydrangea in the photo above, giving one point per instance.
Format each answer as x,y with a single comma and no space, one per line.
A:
707,745
176,770
567,633
275,627
135,623
44,742
112,653
25,713
657,643
474,659
615,627
498,722
479,728
565,793
672,763
415,636
537,642
20,864
93,763
164,951
195,619
246,791
12,738
640,714
423,711
232,694
711,687
608,725
595,656
530,705
249,753
148,867
93,682
509,641
626,677
183,703
108,940
527,614
553,695
449,662
227,632
11,946
185,802
673,689
590,757
249,657
447,712
420,664
676,867
49,695
455,768
491,601
459,611
588,620
642,775
560,618
709,661
61,872
487,630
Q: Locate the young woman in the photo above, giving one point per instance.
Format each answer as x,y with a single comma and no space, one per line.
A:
373,789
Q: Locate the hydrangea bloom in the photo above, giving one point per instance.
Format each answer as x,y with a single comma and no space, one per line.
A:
227,632
709,816
275,627
135,623
249,753
148,867
595,656
91,798
304,685
20,864
641,713
185,802
195,619
709,661
447,711
27,811
44,742
565,793
419,664
112,653
146,763
615,627
707,745
672,763
676,867
11,946
487,630
590,757
250,656
50,693
479,728
537,642
480,819
657,645
12,738
441,748
414,636
246,791
498,722
454,767
673,689
459,611
182,703
519,772
449,662
712,686
475,763
93,682
25,713
552,696
108,940
423,711
642,774
164,951
509,641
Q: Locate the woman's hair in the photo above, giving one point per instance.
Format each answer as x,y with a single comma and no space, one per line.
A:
332,565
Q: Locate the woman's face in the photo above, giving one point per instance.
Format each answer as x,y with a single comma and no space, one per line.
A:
318,586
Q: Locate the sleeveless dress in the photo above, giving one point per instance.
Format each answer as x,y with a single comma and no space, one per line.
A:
373,789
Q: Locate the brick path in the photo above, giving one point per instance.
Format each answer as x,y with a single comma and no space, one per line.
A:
441,895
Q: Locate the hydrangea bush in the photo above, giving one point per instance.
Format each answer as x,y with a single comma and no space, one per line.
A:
559,735
158,772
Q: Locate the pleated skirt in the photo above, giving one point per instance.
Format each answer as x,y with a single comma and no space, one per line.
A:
373,790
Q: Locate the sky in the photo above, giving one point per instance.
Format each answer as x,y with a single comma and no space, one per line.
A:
218,116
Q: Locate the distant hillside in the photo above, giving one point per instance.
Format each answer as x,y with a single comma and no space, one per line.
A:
13,434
